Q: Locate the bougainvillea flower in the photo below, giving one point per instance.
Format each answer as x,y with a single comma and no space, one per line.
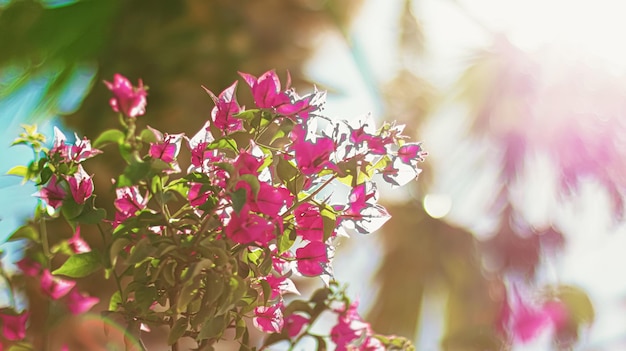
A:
527,321
246,163
129,100
310,258
312,157
362,196
78,302
196,196
398,173
246,228
14,326
309,222
280,286
226,107
266,90
270,200
129,200
269,319
350,332
29,267
81,185
80,151
77,244
363,214
346,332
52,194
59,147
375,143
55,287
282,265
294,324
411,153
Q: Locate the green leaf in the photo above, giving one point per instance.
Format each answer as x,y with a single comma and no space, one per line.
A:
187,294
91,215
25,232
253,181
140,252
147,136
70,209
329,220
145,296
225,143
116,246
108,137
46,174
177,331
133,173
286,240
239,198
21,346
20,171
80,265
267,290
213,328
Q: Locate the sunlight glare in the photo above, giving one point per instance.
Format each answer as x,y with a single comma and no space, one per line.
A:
437,205
590,27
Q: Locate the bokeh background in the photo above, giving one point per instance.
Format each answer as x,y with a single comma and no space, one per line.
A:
520,104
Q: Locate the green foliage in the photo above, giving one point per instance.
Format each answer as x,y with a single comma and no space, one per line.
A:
80,265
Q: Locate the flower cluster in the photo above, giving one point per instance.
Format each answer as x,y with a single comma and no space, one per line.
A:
265,195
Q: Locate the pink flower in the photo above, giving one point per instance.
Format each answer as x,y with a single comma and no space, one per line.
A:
246,163
294,324
311,157
376,144
280,265
266,90
55,287
311,257
14,326
351,332
78,302
225,107
280,285
270,199
363,213
29,267
129,201
129,100
269,319
52,194
309,222
246,228
77,244
527,321
80,151
195,195
59,148
81,185
411,153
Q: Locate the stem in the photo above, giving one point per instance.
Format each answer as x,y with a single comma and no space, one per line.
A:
173,298
311,195
44,240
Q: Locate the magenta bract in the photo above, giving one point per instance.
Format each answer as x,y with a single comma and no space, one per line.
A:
128,100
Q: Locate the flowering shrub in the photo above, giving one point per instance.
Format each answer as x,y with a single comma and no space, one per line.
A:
210,252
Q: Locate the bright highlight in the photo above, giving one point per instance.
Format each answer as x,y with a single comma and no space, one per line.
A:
437,205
